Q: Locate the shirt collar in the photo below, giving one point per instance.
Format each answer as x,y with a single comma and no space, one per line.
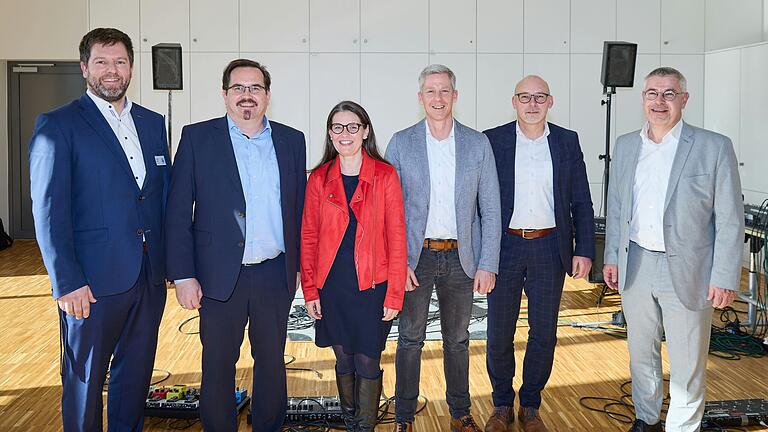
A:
233,127
429,134
520,133
673,134
103,105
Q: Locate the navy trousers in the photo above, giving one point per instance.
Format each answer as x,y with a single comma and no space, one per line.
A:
261,299
121,327
533,266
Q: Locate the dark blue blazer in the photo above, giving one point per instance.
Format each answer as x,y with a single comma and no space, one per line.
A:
207,242
574,216
91,218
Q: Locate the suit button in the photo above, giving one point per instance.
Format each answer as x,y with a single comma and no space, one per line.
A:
241,214
142,197
240,244
140,231
626,249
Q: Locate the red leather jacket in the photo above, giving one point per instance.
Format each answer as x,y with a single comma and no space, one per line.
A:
380,247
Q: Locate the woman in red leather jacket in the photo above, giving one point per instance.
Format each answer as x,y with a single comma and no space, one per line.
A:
353,258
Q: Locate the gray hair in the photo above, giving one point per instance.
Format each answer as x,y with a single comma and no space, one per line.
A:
669,71
435,69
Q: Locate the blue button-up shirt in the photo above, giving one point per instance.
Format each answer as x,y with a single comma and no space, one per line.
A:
260,178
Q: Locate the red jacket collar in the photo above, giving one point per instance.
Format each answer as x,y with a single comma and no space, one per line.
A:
367,169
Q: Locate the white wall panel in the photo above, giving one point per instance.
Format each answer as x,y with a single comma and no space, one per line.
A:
395,25
754,112
592,22
639,22
163,21
500,26
334,25
41,29
555,69
390,84
274,26
102,14
497,75
722,103
214,25
333,77
682,26
547,26
452,26
722,14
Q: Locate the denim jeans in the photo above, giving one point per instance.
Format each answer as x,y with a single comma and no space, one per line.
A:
440,270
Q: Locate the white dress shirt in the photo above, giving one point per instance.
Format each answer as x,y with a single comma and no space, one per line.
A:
649,190
534,183
125,131
441,220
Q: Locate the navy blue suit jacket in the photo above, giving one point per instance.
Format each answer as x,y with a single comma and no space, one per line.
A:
574,216
91,218
207,242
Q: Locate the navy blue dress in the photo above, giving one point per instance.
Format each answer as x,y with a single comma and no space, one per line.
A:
351,318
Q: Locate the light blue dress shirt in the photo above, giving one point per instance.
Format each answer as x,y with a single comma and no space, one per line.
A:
260,178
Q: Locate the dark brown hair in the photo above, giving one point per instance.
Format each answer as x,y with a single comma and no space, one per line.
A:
369,144
104,36
234,64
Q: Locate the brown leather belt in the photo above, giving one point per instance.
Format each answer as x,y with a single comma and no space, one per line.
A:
441,244
530,234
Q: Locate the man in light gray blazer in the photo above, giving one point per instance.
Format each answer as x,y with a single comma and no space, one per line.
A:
674,235
453,228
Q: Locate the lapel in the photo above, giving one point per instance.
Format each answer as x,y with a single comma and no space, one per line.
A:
681,156
554,152
418,154
147,151
629,178
283,155
334,187
461,170
96,120
223,146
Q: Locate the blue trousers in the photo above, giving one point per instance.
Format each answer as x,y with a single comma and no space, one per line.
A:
261,300
121,327
532,266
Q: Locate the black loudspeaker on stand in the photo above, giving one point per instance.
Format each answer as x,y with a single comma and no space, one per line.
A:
167,75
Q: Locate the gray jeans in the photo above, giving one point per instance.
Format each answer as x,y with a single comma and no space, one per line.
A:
440,270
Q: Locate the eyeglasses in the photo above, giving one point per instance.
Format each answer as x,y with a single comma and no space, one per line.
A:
539,98
667,95
241,89
352,128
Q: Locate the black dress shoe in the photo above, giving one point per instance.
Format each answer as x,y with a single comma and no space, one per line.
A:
641,426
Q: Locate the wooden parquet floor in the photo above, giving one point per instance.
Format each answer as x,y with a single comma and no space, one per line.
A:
587,362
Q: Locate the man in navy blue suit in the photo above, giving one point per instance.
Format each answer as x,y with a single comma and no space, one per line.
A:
546,205
99,172
234,216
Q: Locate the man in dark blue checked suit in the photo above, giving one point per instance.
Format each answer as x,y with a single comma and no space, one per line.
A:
545,206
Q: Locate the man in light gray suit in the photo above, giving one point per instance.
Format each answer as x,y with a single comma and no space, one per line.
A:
453,228
674,235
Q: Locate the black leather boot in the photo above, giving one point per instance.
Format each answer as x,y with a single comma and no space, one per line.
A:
346,386
368,395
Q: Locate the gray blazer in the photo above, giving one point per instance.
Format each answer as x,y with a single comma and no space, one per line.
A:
703,213
478,212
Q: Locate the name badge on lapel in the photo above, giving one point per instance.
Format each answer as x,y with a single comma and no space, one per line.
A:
160,160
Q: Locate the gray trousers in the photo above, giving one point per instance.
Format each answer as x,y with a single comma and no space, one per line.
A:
652,309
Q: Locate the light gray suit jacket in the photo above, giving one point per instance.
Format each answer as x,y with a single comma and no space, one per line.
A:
478,212
703,213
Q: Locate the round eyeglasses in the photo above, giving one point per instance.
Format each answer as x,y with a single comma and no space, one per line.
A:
667,95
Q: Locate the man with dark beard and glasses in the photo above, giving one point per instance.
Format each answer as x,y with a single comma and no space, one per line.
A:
234,219
99,172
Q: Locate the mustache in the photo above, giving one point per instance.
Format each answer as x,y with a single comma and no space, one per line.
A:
244,101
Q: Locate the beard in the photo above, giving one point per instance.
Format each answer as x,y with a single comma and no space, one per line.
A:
111,93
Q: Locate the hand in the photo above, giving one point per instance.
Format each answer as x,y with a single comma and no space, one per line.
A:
189,293
410,281
721,297
389,314
78,302
313,309
611,276
485,281
580,267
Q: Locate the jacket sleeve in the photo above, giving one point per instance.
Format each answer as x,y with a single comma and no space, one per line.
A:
50,171
301,164
489,203
582,212
310,230
613,209
179,240
729,221
397,253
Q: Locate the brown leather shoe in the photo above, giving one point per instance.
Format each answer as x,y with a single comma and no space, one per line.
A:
500,420
403,427
464,424
530,419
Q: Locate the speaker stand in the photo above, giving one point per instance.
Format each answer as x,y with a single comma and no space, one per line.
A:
606,157
170,123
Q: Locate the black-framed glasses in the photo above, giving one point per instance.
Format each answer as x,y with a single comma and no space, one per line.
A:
241,89
352,128
539,98
667,95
